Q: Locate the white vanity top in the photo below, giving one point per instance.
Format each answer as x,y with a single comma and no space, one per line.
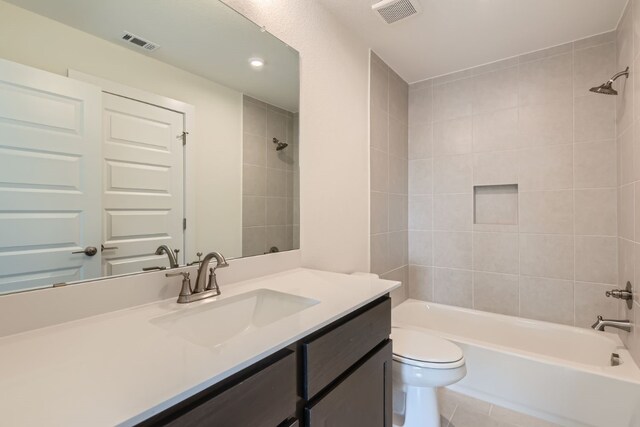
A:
120,368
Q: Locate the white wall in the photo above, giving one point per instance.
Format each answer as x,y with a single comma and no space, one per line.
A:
39,42
334,183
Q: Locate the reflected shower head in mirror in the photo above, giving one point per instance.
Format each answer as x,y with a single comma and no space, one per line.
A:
606,88
280,145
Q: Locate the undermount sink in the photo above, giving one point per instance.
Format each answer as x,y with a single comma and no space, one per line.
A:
216,322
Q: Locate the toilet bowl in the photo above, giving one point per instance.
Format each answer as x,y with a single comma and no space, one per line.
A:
421,363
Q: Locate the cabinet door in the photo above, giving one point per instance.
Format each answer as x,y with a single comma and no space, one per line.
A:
264,399
363,398
328,356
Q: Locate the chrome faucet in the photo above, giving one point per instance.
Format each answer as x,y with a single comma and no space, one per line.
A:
201,291
171,254
202,273
601,323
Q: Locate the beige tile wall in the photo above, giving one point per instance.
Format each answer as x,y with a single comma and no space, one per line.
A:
389,179
270,191
628,178
528,121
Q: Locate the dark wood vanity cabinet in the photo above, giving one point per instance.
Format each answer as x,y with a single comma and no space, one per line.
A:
337,376
363,398
347,370
263,395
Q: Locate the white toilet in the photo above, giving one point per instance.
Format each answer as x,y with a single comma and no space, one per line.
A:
421,363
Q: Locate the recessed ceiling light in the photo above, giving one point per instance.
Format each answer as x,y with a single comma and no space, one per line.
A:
256,63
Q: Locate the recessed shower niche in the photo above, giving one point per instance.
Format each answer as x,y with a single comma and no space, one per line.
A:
495,204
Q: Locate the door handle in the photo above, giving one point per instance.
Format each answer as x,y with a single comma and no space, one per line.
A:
153,268
111,248
88,251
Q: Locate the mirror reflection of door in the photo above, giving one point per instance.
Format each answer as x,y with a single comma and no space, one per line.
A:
49,178
140,181
143,184
52,165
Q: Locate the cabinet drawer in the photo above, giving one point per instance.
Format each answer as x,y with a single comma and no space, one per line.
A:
265,399
361,399
328,356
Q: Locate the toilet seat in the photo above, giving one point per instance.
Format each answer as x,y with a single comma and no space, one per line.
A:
421,349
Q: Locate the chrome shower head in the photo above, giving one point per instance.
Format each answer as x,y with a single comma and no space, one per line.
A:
606,88
280,145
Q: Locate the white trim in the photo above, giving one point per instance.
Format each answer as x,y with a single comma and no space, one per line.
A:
136,94
188,111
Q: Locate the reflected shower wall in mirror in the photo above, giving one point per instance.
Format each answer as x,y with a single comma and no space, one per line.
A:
131,124
271,220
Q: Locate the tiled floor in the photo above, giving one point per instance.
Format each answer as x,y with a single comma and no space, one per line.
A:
458,410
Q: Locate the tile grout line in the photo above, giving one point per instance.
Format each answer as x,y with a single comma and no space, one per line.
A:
518,100
432,271
450,421
388,157
573,176
473,213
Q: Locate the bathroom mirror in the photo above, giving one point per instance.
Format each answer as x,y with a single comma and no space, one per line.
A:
126,125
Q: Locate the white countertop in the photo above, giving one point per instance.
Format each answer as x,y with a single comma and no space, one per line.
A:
119,368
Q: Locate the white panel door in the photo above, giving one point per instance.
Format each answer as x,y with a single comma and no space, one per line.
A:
49,178
143,200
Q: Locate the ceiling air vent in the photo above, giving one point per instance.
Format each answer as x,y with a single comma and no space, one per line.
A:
139,41
395,10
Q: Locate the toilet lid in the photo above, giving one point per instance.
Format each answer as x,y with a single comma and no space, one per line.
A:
420,347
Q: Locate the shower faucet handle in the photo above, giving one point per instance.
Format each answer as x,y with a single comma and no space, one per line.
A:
625,294
619,294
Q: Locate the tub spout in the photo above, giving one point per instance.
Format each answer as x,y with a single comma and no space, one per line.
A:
601,323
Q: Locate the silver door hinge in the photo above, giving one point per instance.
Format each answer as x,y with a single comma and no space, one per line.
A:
184,223
183,135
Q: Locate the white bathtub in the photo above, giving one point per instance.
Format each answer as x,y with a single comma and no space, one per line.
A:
559,373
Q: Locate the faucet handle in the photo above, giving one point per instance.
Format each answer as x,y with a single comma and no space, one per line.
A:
213,281
625,294
184,274
185,291
619,294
